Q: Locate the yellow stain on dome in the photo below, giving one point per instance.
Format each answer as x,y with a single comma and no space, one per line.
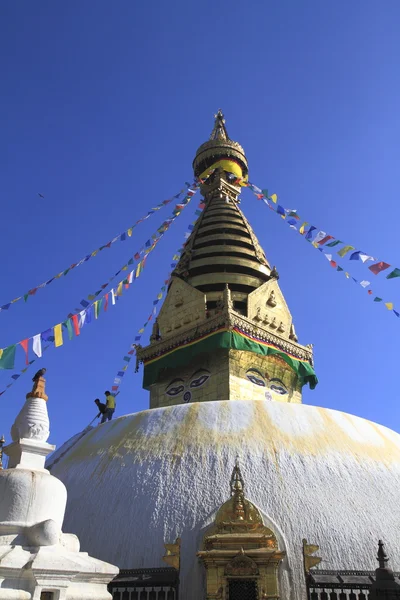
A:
150,435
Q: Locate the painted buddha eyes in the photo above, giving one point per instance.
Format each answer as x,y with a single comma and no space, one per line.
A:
175,388
255,377
199,381
278,387
178,386
275,385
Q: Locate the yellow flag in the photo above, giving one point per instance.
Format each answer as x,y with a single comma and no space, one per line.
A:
129,232
301,230
119,289
138,270
1,352
274,198
124,268
345,250
96,309
347,275
58,338
389,305
315,244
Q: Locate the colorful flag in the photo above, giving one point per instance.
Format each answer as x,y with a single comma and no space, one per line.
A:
343,251
389,305
7,357
58,338
393,274
378,267
325,239
75,323
309,232
37,345
24,345
301,230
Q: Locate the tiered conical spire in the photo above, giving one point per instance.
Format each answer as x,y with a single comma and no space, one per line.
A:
219,131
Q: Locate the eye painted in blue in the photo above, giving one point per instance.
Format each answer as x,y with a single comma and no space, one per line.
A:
255,377
199,381
277,386
175,388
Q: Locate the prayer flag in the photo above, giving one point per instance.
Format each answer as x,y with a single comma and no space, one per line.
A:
325,239
365,257
335,243
96,314
89,312
343,251
24,345
309,232
333,264
47,336
7,357
112,297
119,289
396,313
37,345
378,267
82,318
355,255
339,269
138,270
280,210
106,302
70,330
274,198
301,230
377,299
365,283
58,338
393,274
389,305
123,236
319,236
129,232
75,324
137,338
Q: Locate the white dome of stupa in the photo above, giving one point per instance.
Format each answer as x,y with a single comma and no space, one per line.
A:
147,478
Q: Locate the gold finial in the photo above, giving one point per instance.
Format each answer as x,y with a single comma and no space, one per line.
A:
237,491
39,385
173,554
2,442
308,559
219,131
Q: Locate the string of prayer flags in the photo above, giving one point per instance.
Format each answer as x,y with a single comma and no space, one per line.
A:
189,189
132,349
74,323
144,251
320,238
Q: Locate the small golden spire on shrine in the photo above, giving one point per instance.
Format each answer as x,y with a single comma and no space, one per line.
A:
237,492
39,386
219,131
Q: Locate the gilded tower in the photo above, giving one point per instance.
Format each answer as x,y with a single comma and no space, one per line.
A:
224,331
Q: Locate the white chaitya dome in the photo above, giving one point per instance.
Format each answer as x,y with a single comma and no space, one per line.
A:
147,478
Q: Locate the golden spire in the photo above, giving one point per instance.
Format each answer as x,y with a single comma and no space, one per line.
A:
219,131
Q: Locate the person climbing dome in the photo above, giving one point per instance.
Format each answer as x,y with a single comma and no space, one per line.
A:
110,407
102,409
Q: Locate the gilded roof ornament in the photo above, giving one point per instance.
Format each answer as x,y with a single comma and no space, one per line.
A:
219,131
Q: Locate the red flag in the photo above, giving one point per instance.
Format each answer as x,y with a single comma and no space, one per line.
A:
24,344
137,256
369,292
114,388
378,267
325,239
76,324
106,302
333,264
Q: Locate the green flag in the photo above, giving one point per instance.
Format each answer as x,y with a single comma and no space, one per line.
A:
7,357
393,274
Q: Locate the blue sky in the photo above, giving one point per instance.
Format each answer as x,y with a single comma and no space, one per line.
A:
103,107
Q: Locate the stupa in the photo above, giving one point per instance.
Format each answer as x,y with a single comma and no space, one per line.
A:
37,560
225,373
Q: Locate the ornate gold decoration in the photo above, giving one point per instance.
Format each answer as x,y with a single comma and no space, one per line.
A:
39,386
271,299
309,560
241,566
173,554
239,545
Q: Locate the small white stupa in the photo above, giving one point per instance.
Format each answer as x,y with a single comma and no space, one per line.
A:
37,560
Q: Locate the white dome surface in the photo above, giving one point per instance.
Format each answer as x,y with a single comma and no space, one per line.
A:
147,478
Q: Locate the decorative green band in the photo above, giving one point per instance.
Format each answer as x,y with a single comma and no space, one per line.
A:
223,338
